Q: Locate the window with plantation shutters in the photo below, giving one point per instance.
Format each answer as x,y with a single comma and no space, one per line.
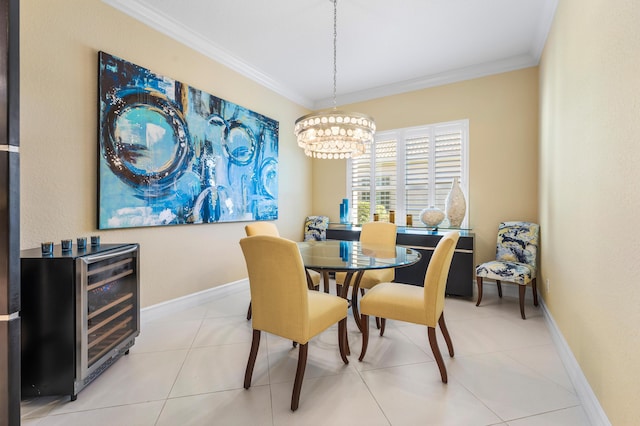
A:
410,169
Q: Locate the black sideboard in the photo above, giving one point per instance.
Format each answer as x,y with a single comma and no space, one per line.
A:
460,280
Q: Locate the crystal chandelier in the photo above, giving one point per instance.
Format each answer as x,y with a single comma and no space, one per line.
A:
334,134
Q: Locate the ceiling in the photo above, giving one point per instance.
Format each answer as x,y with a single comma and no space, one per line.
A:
383,47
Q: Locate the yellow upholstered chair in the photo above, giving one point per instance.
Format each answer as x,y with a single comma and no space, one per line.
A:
516,260
378,234
270,228
418,305
283,304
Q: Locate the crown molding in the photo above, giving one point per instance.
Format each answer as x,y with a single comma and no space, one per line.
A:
447,77
186,36
538,43
170,27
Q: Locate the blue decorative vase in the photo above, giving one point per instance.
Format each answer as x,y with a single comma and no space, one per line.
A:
344,211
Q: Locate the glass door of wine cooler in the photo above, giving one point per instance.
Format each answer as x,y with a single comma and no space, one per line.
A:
109,292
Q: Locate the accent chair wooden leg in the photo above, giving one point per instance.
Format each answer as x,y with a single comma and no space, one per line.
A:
383,323
445,333
433,341
255,343
297,384
378,322
499,285
249,312
479,283
342,339
364,321
534,287
523,289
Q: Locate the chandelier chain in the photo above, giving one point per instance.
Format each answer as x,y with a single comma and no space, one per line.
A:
331,133
335,49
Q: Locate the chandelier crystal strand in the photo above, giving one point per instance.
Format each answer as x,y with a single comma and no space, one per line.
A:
334,134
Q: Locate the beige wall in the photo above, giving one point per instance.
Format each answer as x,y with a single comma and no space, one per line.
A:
503,147
589,197
59,45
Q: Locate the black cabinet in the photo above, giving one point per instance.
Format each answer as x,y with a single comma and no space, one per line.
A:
460,280
80,313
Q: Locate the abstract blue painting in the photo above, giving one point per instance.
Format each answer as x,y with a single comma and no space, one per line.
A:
171,154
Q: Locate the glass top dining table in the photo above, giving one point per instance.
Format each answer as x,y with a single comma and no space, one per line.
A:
354,258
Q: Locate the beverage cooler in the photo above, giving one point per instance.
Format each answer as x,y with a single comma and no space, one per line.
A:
80,313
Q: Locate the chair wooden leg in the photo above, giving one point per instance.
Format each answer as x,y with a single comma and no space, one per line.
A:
383,323
255,343
325,281
309,280
499,285
479,283
445,333
297,384
354,299
249,312
534,287
433,341
342,339
364,321
522,290
378,322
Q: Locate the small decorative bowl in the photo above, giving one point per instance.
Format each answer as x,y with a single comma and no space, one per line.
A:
432,217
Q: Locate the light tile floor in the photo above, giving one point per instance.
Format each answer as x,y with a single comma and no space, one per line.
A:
187,368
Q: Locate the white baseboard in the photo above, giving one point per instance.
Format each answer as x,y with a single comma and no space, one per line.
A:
162,309
589,401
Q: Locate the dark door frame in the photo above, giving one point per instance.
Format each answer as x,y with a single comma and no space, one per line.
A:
9,213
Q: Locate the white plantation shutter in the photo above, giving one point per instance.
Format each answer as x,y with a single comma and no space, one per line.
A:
413,168
416,186
385,173
447,162
360,187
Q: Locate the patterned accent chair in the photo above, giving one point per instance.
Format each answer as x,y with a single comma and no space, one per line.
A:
516,260
315,228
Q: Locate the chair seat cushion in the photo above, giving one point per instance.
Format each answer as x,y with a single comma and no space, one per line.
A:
324,311
370,278
515,272
402,302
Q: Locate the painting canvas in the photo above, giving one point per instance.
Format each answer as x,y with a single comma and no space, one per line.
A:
171,154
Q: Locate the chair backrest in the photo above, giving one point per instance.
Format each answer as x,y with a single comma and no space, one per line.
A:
435,280
279,299
378,233
262,228
315,228
518,242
